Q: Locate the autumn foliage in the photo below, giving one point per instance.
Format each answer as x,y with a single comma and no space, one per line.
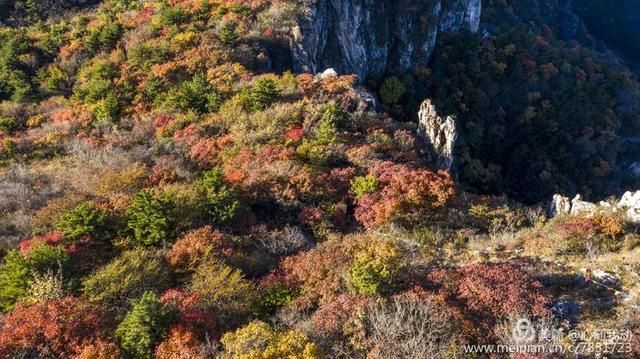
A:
62,328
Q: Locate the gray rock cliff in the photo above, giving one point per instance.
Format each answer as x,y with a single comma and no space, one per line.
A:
367,37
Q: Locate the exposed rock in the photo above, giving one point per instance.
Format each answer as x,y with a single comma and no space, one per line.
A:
560,205
580,207
328,73
369,37
629,203
630,200
439,133
605,278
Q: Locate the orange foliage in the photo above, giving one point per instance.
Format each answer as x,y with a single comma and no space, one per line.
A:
196,246
404,192
60,328
181,343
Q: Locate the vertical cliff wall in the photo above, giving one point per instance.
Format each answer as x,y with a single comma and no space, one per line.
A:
368,37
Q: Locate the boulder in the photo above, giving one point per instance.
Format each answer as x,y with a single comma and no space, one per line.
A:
582,208
328,73
630,200
560,205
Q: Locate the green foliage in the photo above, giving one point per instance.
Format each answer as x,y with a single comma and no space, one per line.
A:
104,37
392,90
224,289
53,79
369,278
85,219
17,269
227,34
197,95
107,109
333,119
144,55
263,93
127,277
96,81
150,218
362,185
144,326
14,280
221,200
274,299
43,258
8,124
172,15
15,81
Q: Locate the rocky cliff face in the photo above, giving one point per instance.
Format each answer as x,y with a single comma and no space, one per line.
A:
367,37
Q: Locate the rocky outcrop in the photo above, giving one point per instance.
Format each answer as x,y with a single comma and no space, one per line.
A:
560,205
629,203
369,37
439,133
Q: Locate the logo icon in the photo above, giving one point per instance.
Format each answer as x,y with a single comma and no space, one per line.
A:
523,331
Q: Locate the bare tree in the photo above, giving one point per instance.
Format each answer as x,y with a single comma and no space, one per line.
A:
406,328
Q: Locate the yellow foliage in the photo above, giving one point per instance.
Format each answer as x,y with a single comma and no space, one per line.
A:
128,181
184,40
258,341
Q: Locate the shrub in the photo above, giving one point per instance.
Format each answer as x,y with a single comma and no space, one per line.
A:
46,287
333,119
127,277
8,124
369,278
409,328
258,340
362,185
223,288
191,313
337,316
100,349
44,257
407,194
181,343
197,95
263,93
222,203
197,247
144,55
83,220
486,293
104,37
392,90
149,218
375,266
14,280
318,273
59,328
227,34
96,81
144,326
274,299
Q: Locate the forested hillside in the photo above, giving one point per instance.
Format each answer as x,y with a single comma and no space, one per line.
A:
170,187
